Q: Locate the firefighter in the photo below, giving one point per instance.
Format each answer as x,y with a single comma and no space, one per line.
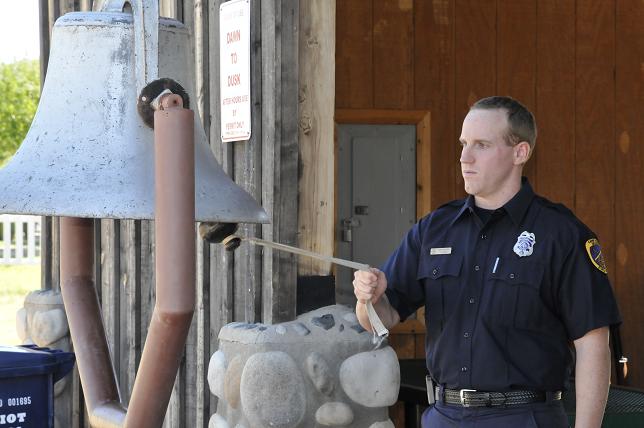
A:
509,281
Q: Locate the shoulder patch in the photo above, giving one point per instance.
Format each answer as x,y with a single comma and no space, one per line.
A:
594,251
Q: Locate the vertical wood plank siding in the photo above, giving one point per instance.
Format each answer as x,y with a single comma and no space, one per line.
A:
556,100
354,61
280,31
629,170
248,285
434,76
393,53
247,161
198,14
516,60
221,286
577,65
595,122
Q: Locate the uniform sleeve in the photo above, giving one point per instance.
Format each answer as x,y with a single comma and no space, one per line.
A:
586,297
404,291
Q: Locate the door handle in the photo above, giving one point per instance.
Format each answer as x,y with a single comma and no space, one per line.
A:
347,225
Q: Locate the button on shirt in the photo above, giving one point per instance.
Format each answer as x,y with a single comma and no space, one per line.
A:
498,321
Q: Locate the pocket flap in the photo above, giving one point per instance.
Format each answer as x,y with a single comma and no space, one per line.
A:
435,267
520,272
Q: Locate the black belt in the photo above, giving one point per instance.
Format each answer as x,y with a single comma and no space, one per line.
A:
473,398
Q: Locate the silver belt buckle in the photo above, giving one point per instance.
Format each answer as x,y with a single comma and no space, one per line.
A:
460,393
429,383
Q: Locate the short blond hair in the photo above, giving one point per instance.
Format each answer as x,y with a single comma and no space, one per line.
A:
521,123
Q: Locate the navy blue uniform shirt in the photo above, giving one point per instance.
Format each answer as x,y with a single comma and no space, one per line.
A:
502,306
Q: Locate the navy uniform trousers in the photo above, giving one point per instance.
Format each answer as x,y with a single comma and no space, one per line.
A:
536,415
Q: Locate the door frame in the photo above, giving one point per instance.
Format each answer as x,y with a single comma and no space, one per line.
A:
422,120
407,337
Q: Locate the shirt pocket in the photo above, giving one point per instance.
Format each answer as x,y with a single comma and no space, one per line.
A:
515,296
440,276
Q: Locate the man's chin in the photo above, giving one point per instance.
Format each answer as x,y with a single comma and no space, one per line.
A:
469,189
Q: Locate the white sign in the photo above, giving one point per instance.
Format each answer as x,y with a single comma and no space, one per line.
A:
234,69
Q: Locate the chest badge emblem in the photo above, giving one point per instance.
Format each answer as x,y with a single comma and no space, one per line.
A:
525,244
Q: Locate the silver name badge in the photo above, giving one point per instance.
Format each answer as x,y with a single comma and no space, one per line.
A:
440,251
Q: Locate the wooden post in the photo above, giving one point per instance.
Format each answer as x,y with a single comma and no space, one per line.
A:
316,106
279,26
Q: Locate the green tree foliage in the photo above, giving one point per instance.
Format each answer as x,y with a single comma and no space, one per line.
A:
20,87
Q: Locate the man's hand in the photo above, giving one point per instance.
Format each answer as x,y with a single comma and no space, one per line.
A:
369,285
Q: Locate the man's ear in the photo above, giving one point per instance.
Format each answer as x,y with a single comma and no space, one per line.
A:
521,153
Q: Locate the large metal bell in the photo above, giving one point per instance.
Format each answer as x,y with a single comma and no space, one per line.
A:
88,153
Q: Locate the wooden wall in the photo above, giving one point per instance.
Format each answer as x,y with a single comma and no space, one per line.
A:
576,65
248,285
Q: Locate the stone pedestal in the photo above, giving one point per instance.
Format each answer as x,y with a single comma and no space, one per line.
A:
323,369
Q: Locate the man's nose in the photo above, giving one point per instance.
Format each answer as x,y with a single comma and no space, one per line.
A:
466,155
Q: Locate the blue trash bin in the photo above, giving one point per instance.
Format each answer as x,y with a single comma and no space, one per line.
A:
27,376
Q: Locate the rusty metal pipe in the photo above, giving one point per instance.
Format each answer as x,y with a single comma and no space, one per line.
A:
174,264
83,310
175,290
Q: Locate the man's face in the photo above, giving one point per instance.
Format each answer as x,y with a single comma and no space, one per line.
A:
487,161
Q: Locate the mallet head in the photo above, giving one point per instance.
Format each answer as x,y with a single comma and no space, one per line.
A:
215,233
231,242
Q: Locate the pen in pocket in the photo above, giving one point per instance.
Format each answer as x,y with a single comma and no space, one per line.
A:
496,263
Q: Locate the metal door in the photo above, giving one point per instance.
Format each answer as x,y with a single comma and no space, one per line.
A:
376,179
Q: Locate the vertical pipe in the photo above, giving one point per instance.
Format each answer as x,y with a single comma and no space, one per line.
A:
85,323
174,264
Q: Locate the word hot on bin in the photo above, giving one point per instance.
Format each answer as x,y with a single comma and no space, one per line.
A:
27,377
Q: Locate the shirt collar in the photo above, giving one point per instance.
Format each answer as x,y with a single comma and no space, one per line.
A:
468,207
515,207
518,205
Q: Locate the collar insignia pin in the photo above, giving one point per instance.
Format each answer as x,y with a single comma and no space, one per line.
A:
525,244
